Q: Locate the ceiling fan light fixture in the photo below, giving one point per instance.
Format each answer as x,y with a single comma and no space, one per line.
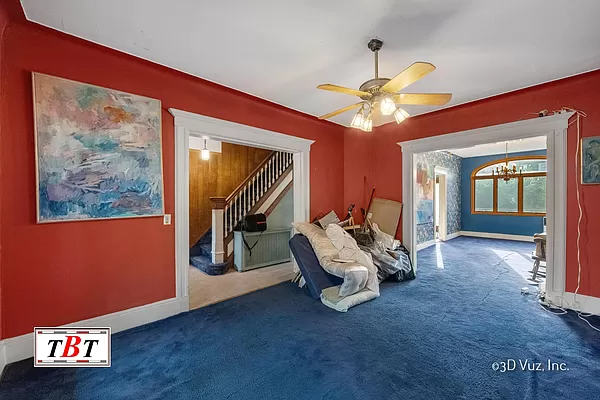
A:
400,115
382,94
387,106
367,125
358,119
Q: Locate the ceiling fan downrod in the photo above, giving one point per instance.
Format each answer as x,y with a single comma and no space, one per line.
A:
375,45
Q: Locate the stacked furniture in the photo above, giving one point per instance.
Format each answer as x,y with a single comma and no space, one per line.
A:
316,278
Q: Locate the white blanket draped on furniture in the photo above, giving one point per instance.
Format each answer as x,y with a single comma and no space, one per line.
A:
359,273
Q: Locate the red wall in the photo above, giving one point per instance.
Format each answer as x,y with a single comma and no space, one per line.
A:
4,21
64,272
378,155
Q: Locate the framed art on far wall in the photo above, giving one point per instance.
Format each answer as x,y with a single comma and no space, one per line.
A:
590,160
98,152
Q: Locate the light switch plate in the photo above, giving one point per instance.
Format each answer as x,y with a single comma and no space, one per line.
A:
167,219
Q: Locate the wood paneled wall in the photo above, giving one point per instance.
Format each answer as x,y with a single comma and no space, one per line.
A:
218,176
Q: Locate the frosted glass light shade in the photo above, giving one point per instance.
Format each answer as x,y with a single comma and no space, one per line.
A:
367,125
357,121
387,106
400,115
205,154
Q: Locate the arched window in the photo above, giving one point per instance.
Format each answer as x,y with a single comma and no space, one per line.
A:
523,195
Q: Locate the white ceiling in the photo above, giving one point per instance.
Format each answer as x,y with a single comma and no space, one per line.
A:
514,146
281,50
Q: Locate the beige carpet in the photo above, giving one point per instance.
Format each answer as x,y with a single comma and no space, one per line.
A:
206,289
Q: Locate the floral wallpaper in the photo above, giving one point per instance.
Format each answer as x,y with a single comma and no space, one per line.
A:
453,163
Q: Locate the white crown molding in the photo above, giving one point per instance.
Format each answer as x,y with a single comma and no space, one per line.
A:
488,134
21,347
233,132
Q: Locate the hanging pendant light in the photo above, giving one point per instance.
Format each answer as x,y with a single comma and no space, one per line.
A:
204,153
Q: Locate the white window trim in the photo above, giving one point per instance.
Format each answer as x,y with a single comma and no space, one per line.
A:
555,129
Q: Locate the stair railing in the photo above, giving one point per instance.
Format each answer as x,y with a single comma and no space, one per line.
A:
229,211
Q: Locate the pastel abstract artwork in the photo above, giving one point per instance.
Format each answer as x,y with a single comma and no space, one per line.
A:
424,193
590,160
98,152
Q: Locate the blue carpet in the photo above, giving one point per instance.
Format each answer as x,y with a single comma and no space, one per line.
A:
432,338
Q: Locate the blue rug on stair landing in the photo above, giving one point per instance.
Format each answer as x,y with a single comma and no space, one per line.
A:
436,337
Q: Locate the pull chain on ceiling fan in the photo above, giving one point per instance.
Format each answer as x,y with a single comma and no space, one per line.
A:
382,93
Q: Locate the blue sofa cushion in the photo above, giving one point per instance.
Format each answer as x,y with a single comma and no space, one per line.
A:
315,276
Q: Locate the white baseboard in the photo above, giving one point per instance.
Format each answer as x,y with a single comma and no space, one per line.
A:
2,357
521,238
21,347
425,245
579,302
429,243
452,236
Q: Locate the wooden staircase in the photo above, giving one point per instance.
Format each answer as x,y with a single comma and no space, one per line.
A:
248,198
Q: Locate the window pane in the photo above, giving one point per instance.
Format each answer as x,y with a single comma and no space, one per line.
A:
488,170
534,194
484,195
533,165
508,196
530,165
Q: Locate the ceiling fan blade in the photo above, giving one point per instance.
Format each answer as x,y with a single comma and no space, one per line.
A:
428,99
345,90
341,110
410,75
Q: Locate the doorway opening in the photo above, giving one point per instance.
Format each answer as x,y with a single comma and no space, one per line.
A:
226,214
229,182
553,129
497,199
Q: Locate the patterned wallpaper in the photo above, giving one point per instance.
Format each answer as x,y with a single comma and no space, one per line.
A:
453,163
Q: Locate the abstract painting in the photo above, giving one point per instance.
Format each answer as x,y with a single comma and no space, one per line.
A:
424,193
98,152
590,160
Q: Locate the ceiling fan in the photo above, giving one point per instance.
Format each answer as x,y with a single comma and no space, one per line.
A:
383,92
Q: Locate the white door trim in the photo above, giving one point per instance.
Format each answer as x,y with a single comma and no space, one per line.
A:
189,124
555,129
443,199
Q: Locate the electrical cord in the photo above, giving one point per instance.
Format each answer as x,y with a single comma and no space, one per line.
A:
582,316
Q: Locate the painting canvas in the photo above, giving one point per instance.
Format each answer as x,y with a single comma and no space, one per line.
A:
98,152
425,188
590,160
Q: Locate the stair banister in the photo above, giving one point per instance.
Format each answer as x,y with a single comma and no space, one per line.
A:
227,212
218,233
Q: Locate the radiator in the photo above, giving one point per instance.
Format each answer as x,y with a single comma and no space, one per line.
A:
271,248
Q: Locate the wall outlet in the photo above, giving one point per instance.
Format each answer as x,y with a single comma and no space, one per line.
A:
167,219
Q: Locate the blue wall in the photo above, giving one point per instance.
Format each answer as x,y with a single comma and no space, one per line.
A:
494,223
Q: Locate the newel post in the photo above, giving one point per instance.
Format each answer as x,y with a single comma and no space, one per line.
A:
218,229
